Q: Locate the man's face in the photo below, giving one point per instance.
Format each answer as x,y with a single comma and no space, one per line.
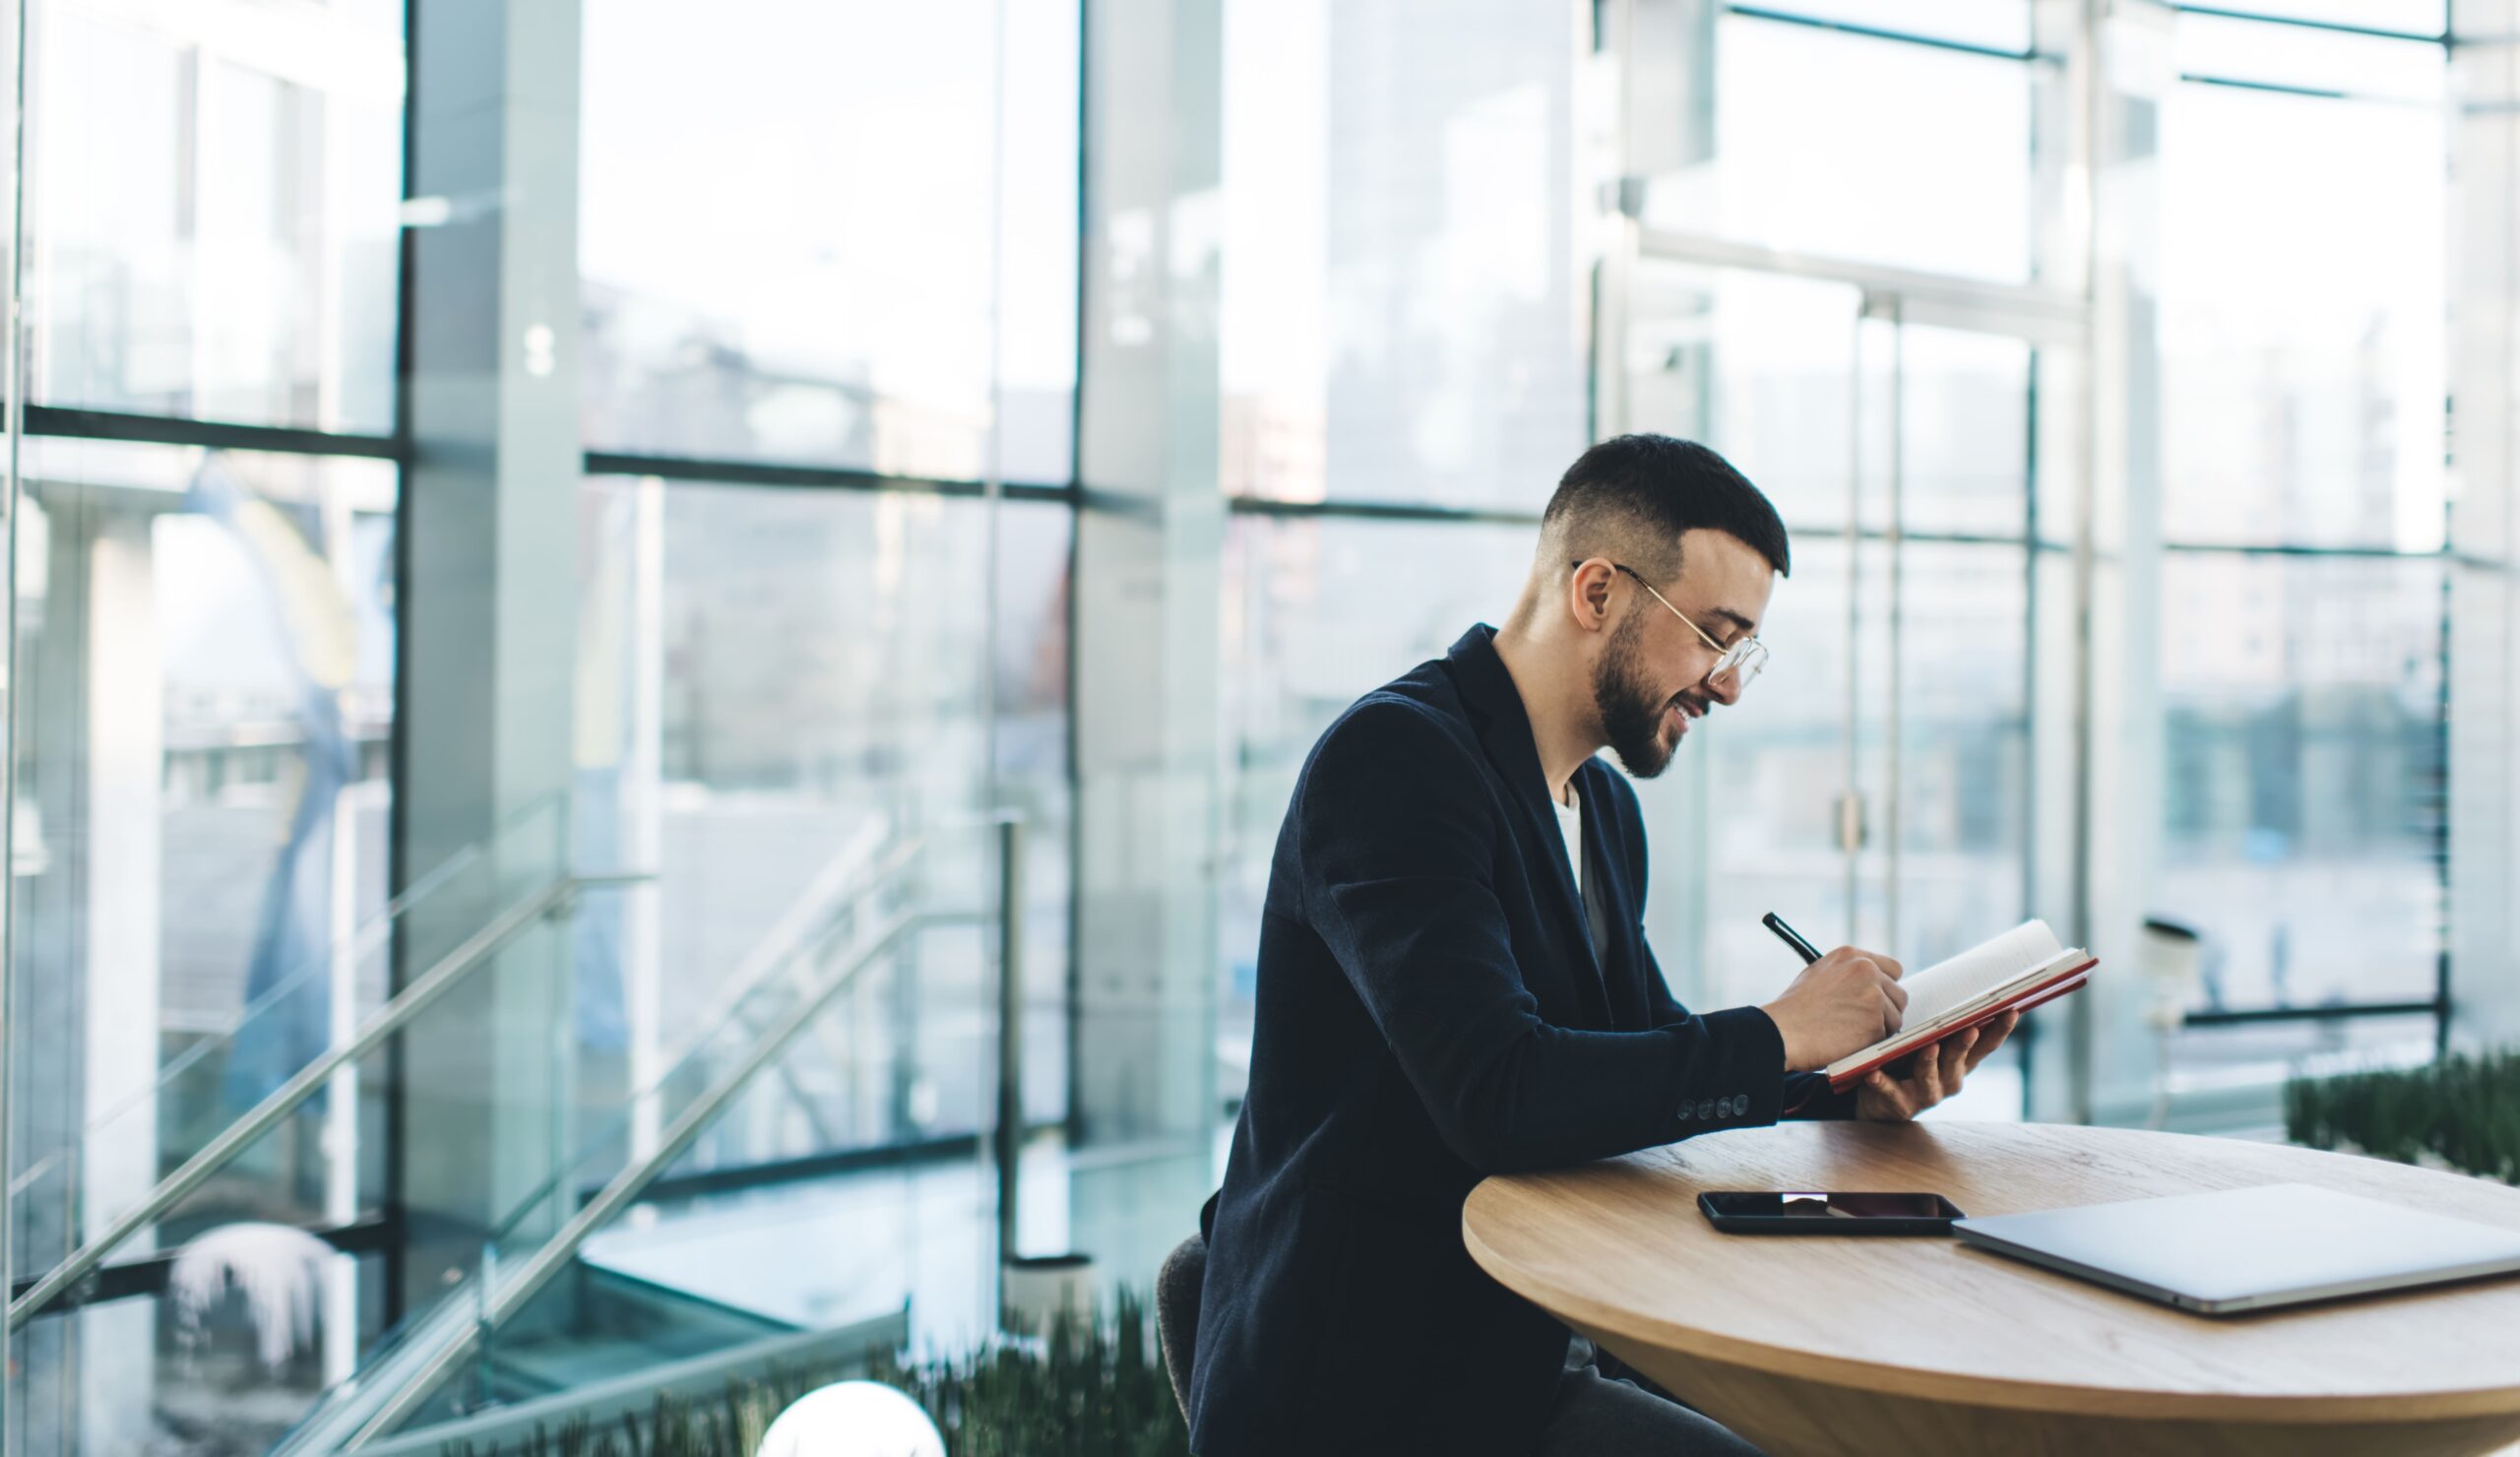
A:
1649,682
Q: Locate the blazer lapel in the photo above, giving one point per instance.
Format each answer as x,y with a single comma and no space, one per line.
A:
1506,734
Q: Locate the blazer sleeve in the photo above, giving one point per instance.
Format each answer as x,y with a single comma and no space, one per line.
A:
1805,1094
1397,847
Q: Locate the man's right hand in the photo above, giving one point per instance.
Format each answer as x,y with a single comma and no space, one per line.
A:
1846,1001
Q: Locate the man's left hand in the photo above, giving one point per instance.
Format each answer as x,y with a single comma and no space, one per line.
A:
1934,1073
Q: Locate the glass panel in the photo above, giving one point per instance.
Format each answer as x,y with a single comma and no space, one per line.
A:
2201,1066
2302,775
2001,24
1963,433
819,667
1402,310
1780,757
213,210
2410,71
1964,775
883,182
1920,157
1316,615
257,1315
2412,17
2302,342
1761,367
206,641
255,1320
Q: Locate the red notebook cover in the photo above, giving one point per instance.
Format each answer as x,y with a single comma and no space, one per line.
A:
2065,979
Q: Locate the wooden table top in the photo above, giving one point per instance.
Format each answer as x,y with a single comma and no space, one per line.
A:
1618,1246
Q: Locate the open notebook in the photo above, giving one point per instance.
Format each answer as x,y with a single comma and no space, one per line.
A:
2020,969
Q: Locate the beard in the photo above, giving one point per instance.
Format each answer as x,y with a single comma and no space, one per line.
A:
1631,709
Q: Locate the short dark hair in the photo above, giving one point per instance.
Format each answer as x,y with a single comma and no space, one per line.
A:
1657,487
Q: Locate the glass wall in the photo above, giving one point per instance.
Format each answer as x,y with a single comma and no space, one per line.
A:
205,678
213,212
1919,157
1401,302
823,679
2305,197
836,233
779,677
818,431
865,281
2300,379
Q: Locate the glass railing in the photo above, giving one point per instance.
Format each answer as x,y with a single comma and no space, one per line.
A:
237,1271
232,1236
581,1282
298,1175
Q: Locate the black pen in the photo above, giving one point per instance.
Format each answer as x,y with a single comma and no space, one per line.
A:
1787,934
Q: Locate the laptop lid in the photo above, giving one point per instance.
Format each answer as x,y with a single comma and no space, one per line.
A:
2248,1250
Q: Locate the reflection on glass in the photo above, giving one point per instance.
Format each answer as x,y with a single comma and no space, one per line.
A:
2302,775
204,708
255,1319
793,237
816,665
213,212
2300,341
1402,314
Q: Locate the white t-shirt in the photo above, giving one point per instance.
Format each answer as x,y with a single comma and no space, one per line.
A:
1570,821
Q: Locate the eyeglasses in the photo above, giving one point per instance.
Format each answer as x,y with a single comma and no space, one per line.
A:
1747,658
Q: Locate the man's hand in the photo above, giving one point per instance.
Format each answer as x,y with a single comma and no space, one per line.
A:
1934,1073
1847,1000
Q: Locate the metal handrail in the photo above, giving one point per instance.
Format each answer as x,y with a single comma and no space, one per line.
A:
537,1271
424,991
361,941
839,888
384,1398
845,885
805,921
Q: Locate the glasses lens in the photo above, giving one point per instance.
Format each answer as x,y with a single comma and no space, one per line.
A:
1744,661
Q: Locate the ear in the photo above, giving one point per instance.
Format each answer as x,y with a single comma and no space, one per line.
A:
1587,593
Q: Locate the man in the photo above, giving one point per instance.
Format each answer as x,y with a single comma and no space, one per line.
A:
1454,982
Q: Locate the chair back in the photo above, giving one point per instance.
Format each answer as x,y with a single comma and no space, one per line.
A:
1177,1312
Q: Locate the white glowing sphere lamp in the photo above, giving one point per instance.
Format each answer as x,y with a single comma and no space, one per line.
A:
853,1418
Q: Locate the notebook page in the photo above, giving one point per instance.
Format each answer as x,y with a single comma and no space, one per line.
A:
1980,969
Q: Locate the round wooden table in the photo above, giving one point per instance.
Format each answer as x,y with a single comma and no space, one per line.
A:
1816,1343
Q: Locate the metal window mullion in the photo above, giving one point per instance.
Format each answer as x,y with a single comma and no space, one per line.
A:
1895,726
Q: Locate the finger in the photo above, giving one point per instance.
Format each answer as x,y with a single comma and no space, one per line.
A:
1891,1014
1956,1065
1894,1094
1995,1032
1929,1077
1897,994
1890,966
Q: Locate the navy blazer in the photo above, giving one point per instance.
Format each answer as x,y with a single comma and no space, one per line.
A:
1431,1009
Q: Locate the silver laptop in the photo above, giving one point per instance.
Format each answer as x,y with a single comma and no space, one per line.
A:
2251,1249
